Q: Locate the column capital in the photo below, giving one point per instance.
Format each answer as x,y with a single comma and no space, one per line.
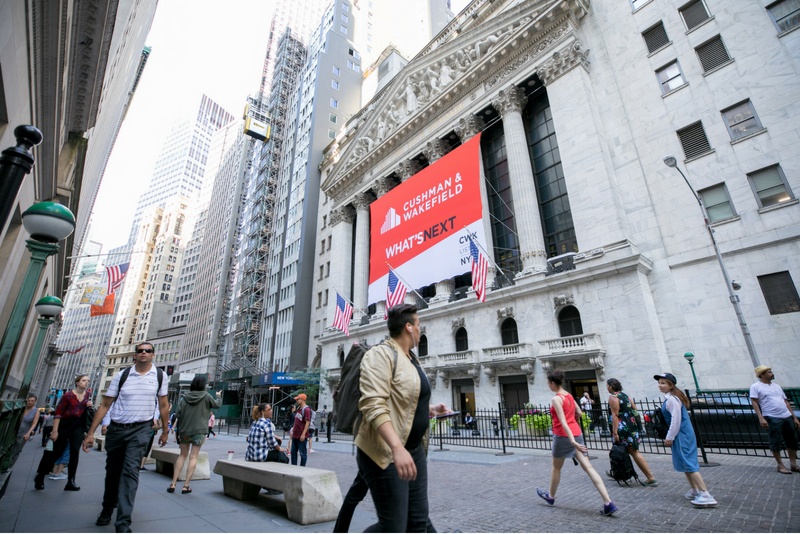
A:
563,61
362,201
406,169
468,127
434,150
341,214
381,186
510,100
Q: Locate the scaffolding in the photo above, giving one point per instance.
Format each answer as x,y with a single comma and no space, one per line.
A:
257,229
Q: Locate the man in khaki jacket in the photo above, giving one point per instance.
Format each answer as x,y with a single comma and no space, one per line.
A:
392,437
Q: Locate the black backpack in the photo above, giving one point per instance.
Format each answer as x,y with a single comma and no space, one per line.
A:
621,465
346,415
660,425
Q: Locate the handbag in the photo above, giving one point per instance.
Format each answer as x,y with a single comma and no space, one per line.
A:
277,456
88,417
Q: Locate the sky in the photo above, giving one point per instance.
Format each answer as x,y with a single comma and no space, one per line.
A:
198,46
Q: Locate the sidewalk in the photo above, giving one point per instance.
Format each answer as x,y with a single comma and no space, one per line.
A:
471,490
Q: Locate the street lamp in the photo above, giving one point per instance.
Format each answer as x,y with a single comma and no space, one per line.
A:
47,307
670,161
47,223
690,358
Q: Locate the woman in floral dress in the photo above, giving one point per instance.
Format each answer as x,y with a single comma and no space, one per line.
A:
624,426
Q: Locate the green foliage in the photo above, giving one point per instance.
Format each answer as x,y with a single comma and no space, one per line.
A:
539,421
585,421
311,378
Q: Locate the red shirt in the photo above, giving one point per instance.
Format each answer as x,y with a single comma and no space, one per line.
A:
69,407
300,418
568,403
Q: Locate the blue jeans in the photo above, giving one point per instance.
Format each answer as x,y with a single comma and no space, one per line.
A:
301,447
401,505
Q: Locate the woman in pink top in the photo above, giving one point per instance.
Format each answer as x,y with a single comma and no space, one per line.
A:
567,438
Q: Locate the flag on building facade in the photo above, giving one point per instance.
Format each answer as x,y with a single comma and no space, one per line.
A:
480,267
94,295
395,290
106,309
75,351
115,275
342,315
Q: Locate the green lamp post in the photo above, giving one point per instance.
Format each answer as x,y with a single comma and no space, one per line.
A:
690,358
47,223
47,307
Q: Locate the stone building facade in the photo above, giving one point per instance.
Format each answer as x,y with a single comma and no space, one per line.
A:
601,262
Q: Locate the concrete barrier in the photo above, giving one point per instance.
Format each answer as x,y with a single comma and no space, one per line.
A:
311,495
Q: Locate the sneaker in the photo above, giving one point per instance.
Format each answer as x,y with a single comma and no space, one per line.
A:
546,496
691,494
62,476
652,483
609,509
704,500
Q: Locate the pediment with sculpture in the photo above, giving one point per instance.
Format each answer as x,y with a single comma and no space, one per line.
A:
440,76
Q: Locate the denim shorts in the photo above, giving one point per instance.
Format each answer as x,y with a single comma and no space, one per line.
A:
781,428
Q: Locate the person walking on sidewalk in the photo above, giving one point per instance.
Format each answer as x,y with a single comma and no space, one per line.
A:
193,413
47,425
624,427
567,440
27,428
130,399
68,427
681,438
211,421
300,430
775,414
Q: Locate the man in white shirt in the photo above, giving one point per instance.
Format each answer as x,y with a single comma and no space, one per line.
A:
129,431
775,414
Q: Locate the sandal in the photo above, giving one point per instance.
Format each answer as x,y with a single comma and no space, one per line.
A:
171,489
782,470
186,489
795,469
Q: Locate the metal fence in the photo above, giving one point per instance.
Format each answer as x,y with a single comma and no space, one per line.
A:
724,423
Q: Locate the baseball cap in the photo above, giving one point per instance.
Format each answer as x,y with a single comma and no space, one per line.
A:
302,396
761,369
667,376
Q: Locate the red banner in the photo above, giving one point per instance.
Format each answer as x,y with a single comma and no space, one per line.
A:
421,227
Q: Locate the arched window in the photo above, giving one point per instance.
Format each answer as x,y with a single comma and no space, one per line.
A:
569,322
462,343
508,332
423,345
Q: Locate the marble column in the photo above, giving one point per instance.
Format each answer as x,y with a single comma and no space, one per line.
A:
443,290
434,150
341,221
468,127
510,103
406,169
361,267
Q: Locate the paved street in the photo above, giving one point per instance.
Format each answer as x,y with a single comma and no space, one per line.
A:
471,491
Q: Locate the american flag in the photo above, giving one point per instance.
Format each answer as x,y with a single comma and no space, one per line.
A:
395,291
341,318
115,275
479,269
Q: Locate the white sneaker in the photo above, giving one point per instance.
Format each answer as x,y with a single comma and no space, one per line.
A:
691,494
62,476
704,500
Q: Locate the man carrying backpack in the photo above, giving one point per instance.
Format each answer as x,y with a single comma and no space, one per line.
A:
393,434
130,399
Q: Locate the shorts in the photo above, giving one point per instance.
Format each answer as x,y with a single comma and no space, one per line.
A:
195,439
563,447
781,428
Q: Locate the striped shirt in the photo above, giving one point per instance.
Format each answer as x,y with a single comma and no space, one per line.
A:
260,441
134,404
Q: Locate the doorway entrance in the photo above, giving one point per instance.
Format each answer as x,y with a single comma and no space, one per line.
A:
463,396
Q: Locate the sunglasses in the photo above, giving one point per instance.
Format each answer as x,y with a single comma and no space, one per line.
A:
148,351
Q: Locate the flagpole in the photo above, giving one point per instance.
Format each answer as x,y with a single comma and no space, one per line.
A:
353,304
408,285
486,254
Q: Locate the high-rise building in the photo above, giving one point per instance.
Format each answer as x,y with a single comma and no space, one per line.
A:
181,165
600,260
211,270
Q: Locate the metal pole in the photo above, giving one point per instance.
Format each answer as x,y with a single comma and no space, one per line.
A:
751,348
696,385
15,163
52,360
33,361
16,322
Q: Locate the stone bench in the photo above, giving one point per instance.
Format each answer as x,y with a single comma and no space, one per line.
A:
311,495
100,442
165,463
